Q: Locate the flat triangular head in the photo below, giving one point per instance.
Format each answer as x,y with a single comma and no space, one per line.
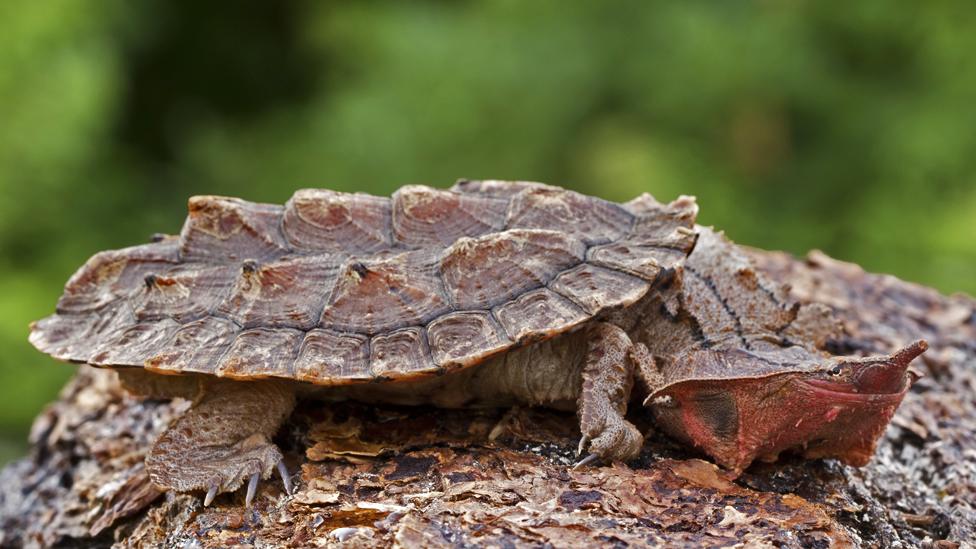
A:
834,407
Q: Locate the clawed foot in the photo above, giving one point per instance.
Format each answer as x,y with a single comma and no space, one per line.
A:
220,469
252,486
223,441
215,469
618,440
607,381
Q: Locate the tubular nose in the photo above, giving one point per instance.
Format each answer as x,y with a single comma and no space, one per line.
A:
887,376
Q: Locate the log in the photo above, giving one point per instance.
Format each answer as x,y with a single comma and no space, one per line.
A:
412,477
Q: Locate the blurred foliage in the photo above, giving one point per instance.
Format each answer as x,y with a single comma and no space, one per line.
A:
841,126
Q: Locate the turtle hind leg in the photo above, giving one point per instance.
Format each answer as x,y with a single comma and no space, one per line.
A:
224,439
608,377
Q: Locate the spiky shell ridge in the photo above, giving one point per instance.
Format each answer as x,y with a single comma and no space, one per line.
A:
336,288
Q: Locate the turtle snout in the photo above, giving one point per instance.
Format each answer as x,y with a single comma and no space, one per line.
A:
882,378
887,376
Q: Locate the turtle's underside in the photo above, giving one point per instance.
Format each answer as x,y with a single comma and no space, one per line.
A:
489,294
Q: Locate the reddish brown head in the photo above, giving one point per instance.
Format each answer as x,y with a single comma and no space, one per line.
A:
835,407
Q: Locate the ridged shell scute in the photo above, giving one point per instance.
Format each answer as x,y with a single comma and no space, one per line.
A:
337,288
480,273
319,220
376,295
430,217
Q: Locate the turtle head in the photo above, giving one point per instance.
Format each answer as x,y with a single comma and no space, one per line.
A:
856,399
821,407
866,376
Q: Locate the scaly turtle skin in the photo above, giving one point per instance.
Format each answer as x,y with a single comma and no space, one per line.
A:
489,294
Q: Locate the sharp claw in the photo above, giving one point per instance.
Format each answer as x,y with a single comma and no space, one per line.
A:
586,461
211,494
497,431
252,488
285,477
583,442
504,424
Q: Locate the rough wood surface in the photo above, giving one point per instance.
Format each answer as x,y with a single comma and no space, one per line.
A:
376,476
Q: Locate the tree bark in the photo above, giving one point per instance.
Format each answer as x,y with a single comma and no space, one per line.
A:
380,476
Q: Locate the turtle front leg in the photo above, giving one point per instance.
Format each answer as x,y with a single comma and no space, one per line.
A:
223,439
608,377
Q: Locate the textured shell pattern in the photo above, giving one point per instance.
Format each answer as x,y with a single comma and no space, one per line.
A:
336,288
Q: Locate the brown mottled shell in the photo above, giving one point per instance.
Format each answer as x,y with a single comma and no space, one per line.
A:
335,288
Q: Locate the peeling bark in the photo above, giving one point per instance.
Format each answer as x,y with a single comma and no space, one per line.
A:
380,476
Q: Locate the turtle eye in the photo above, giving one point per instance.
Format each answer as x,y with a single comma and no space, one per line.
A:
835,371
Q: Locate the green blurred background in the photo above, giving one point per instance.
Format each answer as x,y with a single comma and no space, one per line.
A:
844,126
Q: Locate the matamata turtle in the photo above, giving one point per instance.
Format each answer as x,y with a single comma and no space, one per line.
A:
488,294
